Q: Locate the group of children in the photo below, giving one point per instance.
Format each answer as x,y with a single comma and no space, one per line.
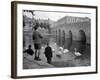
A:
48,52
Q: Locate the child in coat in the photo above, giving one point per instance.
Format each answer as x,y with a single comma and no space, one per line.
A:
48,53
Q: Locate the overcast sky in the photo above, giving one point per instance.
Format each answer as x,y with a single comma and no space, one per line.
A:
54,15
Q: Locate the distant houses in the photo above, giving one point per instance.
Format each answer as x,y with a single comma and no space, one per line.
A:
43,24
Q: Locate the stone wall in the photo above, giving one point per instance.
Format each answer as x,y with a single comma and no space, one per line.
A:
75,26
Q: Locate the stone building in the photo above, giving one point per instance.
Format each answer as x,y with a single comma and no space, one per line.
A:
76,25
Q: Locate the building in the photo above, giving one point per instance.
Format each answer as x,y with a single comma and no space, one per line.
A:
75,25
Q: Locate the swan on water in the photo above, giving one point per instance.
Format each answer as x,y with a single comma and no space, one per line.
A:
53,50
61,48
55,44
59,54
65,51
77,53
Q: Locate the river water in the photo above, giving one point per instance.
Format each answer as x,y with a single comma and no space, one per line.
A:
70,58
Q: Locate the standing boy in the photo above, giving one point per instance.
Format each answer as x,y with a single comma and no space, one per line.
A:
48,53
37,43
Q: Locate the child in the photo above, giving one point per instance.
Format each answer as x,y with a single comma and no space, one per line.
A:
48,53
29,50
37,38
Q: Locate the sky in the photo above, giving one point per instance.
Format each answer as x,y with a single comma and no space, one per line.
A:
54,16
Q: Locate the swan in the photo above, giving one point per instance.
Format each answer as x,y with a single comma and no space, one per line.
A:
55,44
65,51
61,48
42,47
59,54
77,53
53,50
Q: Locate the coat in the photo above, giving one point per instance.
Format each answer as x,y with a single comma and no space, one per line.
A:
48,52
29,51
37,37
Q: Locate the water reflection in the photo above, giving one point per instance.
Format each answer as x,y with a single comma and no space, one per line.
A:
80,46
67,43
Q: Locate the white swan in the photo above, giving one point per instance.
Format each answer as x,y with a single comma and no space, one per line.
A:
59,54
77,53
65,51
42,47
53,50
55,43
61,48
